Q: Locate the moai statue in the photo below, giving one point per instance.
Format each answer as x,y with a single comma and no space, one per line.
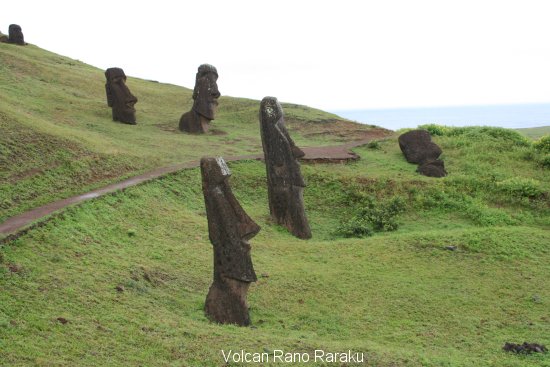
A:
229,229
205,96
285,184
4,38
119,96
417,147
15,35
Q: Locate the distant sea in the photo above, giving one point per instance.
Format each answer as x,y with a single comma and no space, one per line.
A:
509,116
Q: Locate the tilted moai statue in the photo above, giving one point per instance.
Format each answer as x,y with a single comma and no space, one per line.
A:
417,147
15,35
119,97
285,184
205,96
229,229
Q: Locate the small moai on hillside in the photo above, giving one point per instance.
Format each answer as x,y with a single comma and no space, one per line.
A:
15,35
229,229
205,101
417,147
119,97
285,184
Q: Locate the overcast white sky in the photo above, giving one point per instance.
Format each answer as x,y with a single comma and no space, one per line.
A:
327,54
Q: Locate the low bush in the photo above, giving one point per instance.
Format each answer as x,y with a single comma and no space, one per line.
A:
373,216
543,144
521,187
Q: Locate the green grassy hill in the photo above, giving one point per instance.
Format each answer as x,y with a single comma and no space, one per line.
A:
535,132
397,294
57,137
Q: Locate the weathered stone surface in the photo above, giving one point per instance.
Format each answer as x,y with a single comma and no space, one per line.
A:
434,168
284,180
205,97
15,35
3,38
417,146
526,348
229,229
119,97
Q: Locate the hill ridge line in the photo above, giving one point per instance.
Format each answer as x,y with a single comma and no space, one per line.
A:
15,226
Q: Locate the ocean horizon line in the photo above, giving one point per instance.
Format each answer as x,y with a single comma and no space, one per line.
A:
513,116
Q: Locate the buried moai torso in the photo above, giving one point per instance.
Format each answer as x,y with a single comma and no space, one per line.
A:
285,182
229,229
205,101
119,97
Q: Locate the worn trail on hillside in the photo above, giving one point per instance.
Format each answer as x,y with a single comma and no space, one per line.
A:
15,226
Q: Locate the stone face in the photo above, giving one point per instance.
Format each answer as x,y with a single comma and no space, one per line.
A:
229,229
417,147
15,35
205,101
284,180
119,97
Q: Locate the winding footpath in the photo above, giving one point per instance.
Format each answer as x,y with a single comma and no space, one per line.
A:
16,226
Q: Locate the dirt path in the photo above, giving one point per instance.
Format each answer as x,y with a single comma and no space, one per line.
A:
19,224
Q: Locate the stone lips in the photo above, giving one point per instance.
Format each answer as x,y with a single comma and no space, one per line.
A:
119,97
229,228
284,178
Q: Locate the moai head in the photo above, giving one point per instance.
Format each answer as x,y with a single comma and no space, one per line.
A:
119,96
229,226
15,35
206,91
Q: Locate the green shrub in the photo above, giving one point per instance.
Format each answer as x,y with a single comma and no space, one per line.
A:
436,130
521,187
479,133
544,161
543,144
374,144
373,217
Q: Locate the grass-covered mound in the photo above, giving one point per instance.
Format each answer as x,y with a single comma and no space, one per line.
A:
396,294
57,137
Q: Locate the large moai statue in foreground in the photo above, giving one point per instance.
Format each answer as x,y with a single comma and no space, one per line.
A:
229,229
285,184
119,97
205,101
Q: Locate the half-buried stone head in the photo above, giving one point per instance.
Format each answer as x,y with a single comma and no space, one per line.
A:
206,91
285,183
205,101
229,229
15,35
119,97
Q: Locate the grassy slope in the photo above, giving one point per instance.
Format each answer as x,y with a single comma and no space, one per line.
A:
398,296
57,137
535,132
